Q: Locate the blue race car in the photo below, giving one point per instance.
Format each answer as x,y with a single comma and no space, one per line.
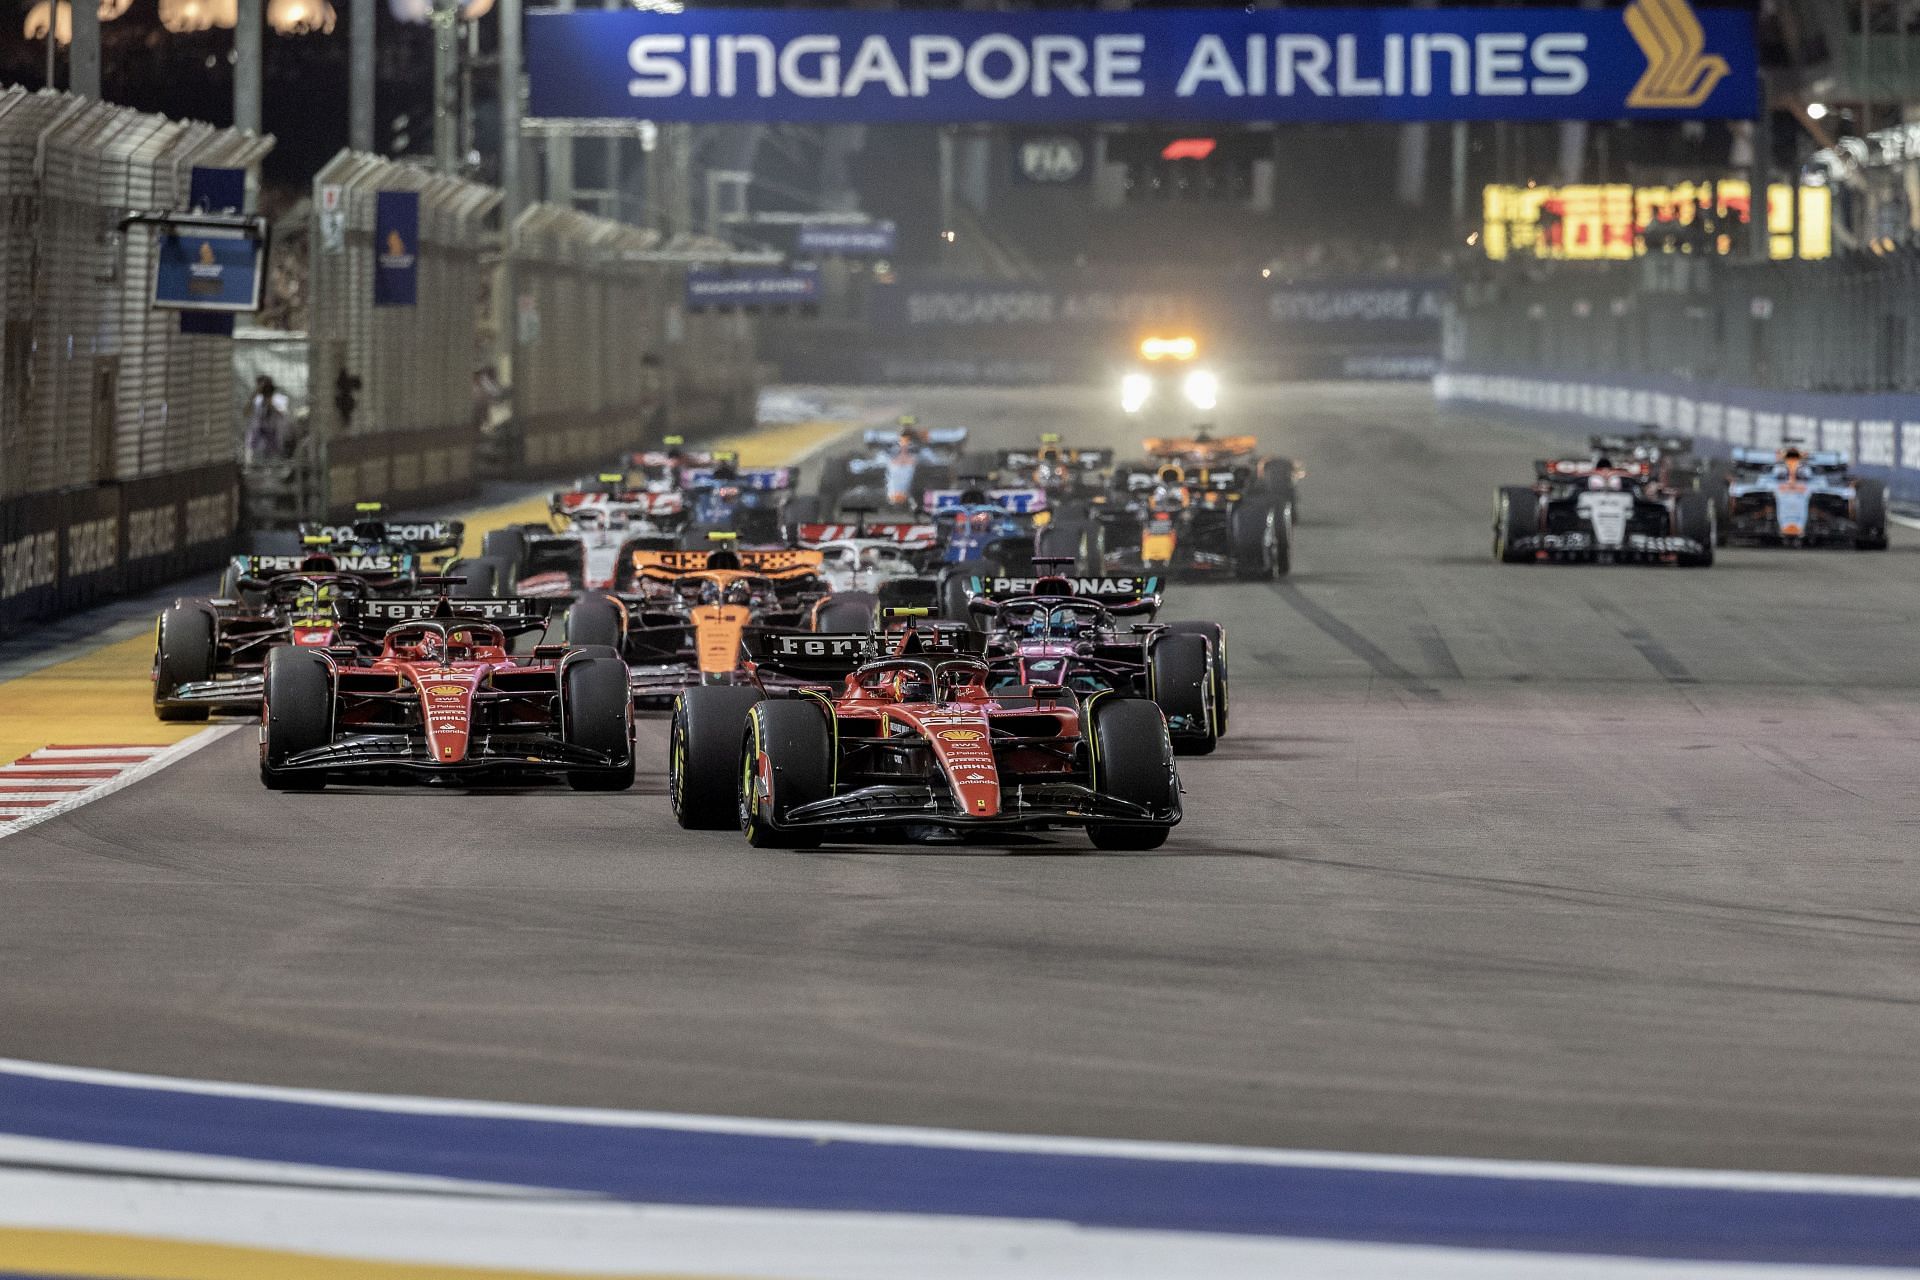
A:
1799,497
891,467
758,503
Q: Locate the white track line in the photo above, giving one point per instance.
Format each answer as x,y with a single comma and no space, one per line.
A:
109,782
968,1140
1911,522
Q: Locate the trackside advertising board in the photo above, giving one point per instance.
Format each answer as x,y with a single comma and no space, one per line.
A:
1652,59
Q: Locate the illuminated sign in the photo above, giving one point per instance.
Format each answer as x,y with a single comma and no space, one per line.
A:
1188,149
1620,221
1654,59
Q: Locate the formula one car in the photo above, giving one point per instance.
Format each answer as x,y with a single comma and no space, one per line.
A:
869,565
757,503
593,527
444,700
1066,475
1797,497
1669,457
912,739
1099,634
1599,510
1199,519
209,653
984,532
680,618
892,468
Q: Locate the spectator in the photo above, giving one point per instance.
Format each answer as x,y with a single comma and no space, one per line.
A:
269,430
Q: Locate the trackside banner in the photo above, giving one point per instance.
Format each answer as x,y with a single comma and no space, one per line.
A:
1651,59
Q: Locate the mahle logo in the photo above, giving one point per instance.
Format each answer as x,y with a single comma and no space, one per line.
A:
1680,74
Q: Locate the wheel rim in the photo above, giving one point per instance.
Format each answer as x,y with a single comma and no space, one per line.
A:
750,782
677,767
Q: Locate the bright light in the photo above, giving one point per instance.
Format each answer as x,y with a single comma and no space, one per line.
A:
1181,348
1188,149
1135,390
1203,389
300,17
1816,111
1266,273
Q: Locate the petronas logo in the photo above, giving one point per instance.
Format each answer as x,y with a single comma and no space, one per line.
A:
1680,73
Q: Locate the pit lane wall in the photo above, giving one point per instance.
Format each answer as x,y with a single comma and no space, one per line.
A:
1881,432
117,428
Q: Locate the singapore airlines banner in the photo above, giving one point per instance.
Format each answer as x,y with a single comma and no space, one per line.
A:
1652,59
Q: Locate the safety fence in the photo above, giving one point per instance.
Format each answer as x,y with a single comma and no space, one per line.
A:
1842,325
117,437
583,317
1880,432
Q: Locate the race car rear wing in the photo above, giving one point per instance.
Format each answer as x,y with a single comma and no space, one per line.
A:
1566,470
1196,447
388,613
372,564
372,535
752,479
829,656
908,533
950,437
1111,592
1016,501
1082,459
1627,444
771,563
1746,457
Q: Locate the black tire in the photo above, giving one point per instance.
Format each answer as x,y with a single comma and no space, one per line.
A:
847,612
183,652
1180,681
1870,515
1693,518
1216,638
295,716
953,588
1078,536
1516,514
596,620
509,547
794,736
598,709
1276,476
1262,539
1715,487
1133,761
703,755
482,576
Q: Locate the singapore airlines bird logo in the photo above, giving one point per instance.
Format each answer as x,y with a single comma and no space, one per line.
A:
1680,74
396,247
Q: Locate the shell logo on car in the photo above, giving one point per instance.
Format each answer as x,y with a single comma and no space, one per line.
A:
446,690
961,735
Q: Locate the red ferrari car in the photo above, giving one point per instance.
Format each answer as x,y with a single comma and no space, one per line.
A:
447,699
911,739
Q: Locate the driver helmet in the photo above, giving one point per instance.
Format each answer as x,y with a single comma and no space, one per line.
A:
910,686
738,593
424,647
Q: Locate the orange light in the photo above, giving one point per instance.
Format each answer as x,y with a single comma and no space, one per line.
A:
1188,149
1181,348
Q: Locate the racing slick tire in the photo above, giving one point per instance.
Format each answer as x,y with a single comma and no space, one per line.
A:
482,578
703,755
1216,638
1516,514
1693,518
1180,680
1262,538
793,735
183,652
509,547
1276,476
598,710
953,588
1715,487
1133,760
1075,535
595,620
1870,515
296,715
846,612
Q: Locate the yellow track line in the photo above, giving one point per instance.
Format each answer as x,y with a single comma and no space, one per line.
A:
81,1253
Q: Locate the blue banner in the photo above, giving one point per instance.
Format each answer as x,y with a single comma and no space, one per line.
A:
1654,59
213,190
207,269
848,238
757,288
396,248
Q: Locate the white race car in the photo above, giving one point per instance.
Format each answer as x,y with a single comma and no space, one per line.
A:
873,565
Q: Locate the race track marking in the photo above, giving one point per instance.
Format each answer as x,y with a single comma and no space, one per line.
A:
787,1198
59,779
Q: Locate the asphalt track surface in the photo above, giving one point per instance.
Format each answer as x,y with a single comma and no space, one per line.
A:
1567,863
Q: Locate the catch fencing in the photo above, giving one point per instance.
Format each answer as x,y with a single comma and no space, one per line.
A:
583,317
1733,355
116,429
